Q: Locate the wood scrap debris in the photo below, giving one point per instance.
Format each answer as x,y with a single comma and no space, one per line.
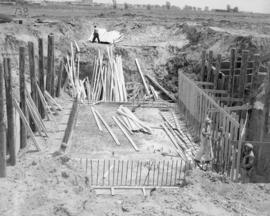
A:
182,141
132,122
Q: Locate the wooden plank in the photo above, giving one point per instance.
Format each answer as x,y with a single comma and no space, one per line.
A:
203,58
204,83
142,76
255,74
237,108
23,133
214,91
126,134
266,109
157,85
41,82
209,66
96,119
17,107
230,99
10,112
3,150
108,128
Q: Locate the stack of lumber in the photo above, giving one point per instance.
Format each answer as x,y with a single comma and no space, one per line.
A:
131,122
73,70
108,82
182,140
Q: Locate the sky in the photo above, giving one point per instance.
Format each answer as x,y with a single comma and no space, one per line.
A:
262,6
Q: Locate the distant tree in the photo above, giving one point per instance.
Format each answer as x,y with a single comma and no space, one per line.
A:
206,8
126,6
148,7
114,4
228,7
168,5
236,10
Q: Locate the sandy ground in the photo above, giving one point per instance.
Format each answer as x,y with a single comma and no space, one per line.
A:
42,185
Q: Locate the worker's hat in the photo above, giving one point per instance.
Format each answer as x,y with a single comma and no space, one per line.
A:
208,120
249,145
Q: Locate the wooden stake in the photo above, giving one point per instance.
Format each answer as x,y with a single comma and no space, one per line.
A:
10,112
41,75
216,75
2,127
23,133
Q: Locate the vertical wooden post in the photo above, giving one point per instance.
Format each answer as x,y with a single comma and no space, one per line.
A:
59,80
203,65
50,66
2,127
23,133
232,73
216,75
209,65
32,77
41,75
10,112
266,108
243,73
254,79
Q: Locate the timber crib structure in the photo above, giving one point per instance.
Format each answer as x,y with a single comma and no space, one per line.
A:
225,92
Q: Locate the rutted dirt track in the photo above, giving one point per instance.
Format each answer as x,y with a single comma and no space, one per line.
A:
45,184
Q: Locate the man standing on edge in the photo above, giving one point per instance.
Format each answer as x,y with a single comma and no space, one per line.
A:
96,35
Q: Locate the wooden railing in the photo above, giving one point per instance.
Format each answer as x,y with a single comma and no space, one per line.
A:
196,104
166,173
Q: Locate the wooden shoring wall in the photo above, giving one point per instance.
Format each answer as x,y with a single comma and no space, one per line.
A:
235,76
115,172
196,104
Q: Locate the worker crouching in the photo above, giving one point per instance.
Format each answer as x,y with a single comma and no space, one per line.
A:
205,152
248,161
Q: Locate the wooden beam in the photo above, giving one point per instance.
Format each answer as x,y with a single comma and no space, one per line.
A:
108,128
59,79
96,119
226,99
3,150
214,91
204,83
23,133
142,76
10,112
237,108
70,125
126,134
157,85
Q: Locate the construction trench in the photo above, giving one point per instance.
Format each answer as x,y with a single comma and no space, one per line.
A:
154,147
